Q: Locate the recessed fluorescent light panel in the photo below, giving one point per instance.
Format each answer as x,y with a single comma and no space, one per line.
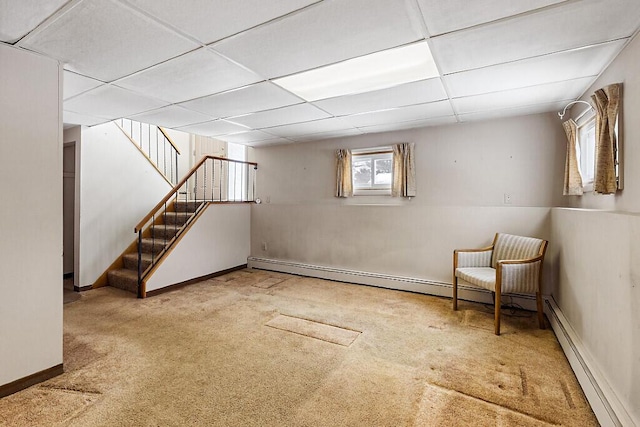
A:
378,70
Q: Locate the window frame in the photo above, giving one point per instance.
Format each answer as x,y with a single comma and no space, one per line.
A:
375,153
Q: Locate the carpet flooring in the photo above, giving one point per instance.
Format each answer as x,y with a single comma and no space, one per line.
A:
205,355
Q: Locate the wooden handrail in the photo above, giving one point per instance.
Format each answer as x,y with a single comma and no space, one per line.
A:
169,139
176,187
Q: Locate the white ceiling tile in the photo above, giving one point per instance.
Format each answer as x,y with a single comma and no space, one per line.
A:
212,20
281,116
171,117
407,94
565,65
532,95
402,114
106,40
571,25
269,142
329,32
438,121
189,76
213,128
71,118
74,84
111,102
249,99
327,135
511,112
316,126
446,16
250,136
17,18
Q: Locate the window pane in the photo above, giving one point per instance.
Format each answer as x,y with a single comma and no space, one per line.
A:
361,172
382,172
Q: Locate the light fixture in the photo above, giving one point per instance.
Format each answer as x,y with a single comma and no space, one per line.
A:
378,70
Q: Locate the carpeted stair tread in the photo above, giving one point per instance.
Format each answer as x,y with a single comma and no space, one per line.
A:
150,245
187,206
164,231
177,217
124,279
131,260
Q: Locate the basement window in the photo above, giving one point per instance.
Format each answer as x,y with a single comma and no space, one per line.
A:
372,171
586,151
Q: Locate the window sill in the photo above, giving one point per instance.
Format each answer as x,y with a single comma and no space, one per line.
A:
368,192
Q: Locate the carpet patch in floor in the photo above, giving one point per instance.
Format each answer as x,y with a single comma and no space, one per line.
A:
313,329
267,283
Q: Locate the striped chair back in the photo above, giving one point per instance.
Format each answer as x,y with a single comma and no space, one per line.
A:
508,246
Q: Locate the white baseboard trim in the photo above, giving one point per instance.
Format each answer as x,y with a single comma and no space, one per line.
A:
422,286
604,402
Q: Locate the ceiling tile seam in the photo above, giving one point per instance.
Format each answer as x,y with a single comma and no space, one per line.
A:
556,52
63,10
237,116
444,84
523,87
218,120
416,5
161,22
507,18
420,40
535,104
624,45
404,121
266,23
382,110
266,129
394,86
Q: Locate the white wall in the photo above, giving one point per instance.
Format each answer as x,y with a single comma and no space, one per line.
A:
30,213
218,240
118,187
463,172
598,255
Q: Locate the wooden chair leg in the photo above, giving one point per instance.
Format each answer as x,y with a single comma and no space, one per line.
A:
540,310
498,302
455,292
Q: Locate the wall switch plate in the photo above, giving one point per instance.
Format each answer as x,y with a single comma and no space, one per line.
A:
507,199
264,246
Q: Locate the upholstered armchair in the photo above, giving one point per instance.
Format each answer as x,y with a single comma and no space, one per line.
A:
512,264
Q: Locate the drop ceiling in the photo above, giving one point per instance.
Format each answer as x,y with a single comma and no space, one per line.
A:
213,67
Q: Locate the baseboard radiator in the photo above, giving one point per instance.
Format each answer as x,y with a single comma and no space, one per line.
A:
606,406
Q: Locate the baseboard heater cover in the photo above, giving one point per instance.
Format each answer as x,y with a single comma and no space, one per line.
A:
401,283
28,381
605,404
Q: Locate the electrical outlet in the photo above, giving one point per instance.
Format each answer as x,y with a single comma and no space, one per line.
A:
264,246
507,199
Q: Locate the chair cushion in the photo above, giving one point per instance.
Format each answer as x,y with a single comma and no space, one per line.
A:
510,247
485,277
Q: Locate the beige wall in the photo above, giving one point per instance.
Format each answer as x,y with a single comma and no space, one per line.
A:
30,214
598,256
463,172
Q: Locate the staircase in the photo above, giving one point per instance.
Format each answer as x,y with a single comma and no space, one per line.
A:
158,236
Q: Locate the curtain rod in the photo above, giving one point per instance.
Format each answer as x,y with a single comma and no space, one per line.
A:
561,115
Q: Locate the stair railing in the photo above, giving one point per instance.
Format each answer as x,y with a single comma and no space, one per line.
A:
155,144
212,179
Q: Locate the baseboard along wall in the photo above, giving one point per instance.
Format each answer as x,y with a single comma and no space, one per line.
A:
28,381
603,401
